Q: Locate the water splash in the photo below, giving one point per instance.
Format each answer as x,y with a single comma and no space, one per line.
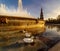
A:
4,10
20,7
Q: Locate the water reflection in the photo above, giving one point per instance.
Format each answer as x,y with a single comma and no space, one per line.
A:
54,26
44,39
53,30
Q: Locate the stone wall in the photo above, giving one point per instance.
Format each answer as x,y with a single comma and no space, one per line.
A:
8,20
16,21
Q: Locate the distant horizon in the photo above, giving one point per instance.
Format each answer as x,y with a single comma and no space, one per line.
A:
51,8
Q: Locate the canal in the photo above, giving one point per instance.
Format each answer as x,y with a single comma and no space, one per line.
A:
44,39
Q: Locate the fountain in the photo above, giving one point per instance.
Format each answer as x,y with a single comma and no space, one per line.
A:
20,7
4,10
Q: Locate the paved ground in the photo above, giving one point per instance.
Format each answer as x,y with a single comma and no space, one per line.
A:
56,47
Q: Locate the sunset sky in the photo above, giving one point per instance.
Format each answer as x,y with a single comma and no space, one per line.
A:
51,8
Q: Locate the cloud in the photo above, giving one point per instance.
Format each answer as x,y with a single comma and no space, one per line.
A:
53,14
51,8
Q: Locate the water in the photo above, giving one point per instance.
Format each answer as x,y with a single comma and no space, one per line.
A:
44,39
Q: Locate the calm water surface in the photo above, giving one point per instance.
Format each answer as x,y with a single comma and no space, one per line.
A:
45,39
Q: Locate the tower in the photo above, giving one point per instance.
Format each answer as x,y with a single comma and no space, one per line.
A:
41,15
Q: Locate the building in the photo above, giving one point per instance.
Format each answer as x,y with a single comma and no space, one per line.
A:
41,15
41,18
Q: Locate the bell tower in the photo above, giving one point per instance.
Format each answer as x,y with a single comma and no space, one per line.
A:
41,15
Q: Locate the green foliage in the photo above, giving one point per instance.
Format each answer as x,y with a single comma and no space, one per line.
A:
53,21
